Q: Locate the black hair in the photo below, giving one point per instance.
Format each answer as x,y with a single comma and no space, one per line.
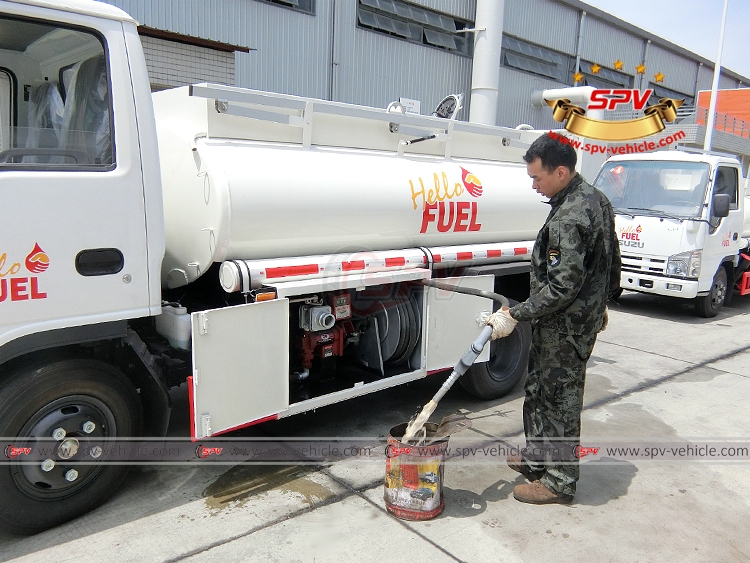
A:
552,153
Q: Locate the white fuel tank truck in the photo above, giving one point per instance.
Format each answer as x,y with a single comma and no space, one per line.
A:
266,250
682,224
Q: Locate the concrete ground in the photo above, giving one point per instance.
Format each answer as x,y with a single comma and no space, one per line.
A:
658,374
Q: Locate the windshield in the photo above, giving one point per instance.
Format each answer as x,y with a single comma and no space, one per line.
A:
655,187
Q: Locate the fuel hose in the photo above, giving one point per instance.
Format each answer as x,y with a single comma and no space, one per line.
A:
468,291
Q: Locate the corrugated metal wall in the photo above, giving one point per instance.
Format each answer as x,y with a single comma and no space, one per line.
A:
604,44
725,82
215,19
327,56
374,69
705,77
679,72
295,61
370,68
543,22
515,106
464,9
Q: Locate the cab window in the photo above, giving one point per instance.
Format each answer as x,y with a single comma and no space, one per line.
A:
726,183
62,112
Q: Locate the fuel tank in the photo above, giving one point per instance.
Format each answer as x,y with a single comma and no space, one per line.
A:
227,197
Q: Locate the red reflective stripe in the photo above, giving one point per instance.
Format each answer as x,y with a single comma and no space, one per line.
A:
464,255
437,370
520,251
395,261
437,258
356,265
494,253
286,271
251,423
191,408
424,259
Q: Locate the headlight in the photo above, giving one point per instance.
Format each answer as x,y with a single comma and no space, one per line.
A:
685,264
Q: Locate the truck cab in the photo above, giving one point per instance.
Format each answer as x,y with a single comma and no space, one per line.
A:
80,251
91,250
680,223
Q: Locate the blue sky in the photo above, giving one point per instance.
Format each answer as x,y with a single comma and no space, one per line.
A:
692,24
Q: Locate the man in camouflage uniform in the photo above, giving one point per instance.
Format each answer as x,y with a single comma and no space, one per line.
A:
575,270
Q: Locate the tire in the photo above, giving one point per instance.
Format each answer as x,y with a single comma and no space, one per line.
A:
709,305
64,394
506,367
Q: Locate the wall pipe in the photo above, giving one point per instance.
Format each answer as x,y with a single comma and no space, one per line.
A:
485,72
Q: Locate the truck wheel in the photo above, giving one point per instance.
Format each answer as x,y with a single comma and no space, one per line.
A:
708,305
507,364
81,404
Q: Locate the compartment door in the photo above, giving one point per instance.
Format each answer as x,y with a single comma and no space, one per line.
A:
452,321
240,365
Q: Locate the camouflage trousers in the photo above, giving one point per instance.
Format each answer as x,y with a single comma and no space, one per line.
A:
552,408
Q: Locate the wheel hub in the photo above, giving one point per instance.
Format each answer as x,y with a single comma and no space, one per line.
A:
68,448
719,292
66,427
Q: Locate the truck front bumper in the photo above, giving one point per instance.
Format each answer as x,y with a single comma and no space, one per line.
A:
675,287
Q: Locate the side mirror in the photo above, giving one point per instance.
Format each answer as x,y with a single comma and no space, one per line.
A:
721,205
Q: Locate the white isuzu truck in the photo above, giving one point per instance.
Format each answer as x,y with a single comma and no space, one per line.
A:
681,224
267,250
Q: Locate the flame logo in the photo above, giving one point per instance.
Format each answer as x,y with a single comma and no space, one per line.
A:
37,261
639,229
471,182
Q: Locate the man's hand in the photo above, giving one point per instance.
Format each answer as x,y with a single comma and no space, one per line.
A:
502,323
605,322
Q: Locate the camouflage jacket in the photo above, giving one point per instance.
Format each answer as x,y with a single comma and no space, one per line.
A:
575,266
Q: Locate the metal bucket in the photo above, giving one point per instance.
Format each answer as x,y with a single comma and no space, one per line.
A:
414,475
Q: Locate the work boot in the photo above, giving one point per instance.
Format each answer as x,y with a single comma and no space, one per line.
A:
515,462
536,493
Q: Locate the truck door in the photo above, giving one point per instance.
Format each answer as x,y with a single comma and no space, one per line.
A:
72,228
724,237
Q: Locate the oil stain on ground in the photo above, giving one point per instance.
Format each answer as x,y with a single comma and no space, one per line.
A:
242,482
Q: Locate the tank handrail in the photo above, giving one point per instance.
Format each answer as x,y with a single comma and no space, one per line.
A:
276,104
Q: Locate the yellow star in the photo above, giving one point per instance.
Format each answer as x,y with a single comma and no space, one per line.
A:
578,77
640,68
595,68
618,64
659,77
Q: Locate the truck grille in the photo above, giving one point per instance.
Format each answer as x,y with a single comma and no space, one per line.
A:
644,265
